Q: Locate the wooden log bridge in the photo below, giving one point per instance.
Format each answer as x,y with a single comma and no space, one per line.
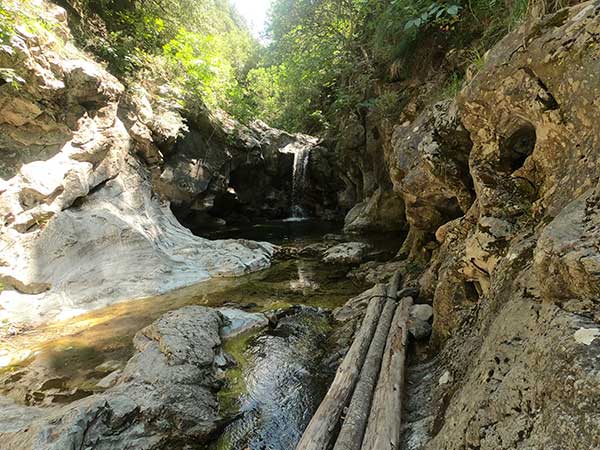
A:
369,383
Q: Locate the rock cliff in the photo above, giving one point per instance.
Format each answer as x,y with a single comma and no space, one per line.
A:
501,190
91,173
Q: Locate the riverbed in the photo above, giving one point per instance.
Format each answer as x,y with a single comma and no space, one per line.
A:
281,372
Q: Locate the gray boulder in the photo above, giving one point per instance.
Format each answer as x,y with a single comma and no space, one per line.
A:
348,253
240,322
166,395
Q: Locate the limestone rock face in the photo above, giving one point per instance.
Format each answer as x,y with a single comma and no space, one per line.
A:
383,211
240,322
166,395
81,223
429,168
566,257
363,168
235,172
515,281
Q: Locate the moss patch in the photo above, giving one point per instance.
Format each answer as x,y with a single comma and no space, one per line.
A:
235,388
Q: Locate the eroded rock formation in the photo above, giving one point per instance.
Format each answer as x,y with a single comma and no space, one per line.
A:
501,193
515,280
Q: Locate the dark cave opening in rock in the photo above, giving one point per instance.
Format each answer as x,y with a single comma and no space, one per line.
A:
515,149
472,291
450,209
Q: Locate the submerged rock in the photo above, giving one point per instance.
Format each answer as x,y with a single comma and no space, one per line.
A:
165,397
239,322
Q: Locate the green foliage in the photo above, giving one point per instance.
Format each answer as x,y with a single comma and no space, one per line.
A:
13,14
453,86
309,64
199,63
264,94
23,13
437,13
388,104
326,57
201,47
6,25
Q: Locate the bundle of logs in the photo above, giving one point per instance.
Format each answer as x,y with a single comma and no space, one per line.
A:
368,387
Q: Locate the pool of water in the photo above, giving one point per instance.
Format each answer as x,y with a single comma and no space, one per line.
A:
280,383
280,232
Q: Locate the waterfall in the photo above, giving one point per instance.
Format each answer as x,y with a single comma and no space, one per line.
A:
301,157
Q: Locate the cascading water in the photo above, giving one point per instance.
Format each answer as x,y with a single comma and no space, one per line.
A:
301,157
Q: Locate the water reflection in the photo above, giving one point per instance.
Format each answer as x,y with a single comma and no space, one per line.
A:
73,350
285,382
306,278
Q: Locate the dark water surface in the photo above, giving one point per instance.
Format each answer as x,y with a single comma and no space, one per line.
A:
278,232
284,380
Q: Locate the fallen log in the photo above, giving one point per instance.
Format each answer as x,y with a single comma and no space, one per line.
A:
353,427
355,422
320,430
384,425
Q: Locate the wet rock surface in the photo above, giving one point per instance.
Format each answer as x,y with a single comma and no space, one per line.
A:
499,188
239,322
383,211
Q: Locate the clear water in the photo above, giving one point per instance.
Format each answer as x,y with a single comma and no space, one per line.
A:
294,231
284,380
280,379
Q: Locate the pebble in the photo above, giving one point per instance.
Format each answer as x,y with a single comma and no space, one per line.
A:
446,378
586,335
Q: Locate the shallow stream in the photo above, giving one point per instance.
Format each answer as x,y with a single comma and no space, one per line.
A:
280,377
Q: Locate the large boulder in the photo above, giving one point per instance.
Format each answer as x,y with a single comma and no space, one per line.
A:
429,169
383,211
347,253
165,397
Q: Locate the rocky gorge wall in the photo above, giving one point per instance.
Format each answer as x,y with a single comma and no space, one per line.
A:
501,192
96,177
499,189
